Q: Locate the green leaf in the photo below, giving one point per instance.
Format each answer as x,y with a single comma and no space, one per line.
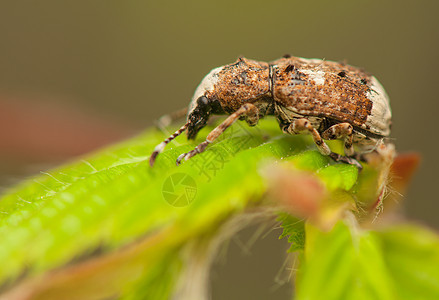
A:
294,229
339,176
111,200
411,254
351,263
109,224
342,264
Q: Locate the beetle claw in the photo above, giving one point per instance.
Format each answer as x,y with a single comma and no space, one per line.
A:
180,158
346,159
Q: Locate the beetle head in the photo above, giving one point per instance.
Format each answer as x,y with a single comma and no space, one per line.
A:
198,116
201,106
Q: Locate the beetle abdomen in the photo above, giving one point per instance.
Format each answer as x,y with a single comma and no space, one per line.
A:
313,87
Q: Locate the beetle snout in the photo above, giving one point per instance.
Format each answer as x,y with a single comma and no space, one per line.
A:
198,115
196,123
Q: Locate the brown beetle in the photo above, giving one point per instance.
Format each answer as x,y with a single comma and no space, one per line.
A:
326,99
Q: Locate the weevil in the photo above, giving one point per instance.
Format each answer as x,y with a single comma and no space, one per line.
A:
328,100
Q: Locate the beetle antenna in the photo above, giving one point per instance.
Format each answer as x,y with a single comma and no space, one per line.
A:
159,148
168,119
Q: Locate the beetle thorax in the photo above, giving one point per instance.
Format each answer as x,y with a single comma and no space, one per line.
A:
206,85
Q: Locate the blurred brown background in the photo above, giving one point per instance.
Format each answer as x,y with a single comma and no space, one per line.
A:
76,75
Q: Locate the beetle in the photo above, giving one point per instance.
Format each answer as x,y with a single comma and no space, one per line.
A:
326,99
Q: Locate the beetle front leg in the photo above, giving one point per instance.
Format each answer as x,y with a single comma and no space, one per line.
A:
341,131
247,109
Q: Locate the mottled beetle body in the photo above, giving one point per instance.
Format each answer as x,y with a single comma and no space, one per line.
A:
326,99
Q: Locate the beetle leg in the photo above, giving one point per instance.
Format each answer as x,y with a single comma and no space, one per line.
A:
303,125
346,160
339,131
247,109
252,116
298,126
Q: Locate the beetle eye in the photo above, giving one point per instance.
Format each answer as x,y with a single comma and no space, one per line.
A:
203,100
